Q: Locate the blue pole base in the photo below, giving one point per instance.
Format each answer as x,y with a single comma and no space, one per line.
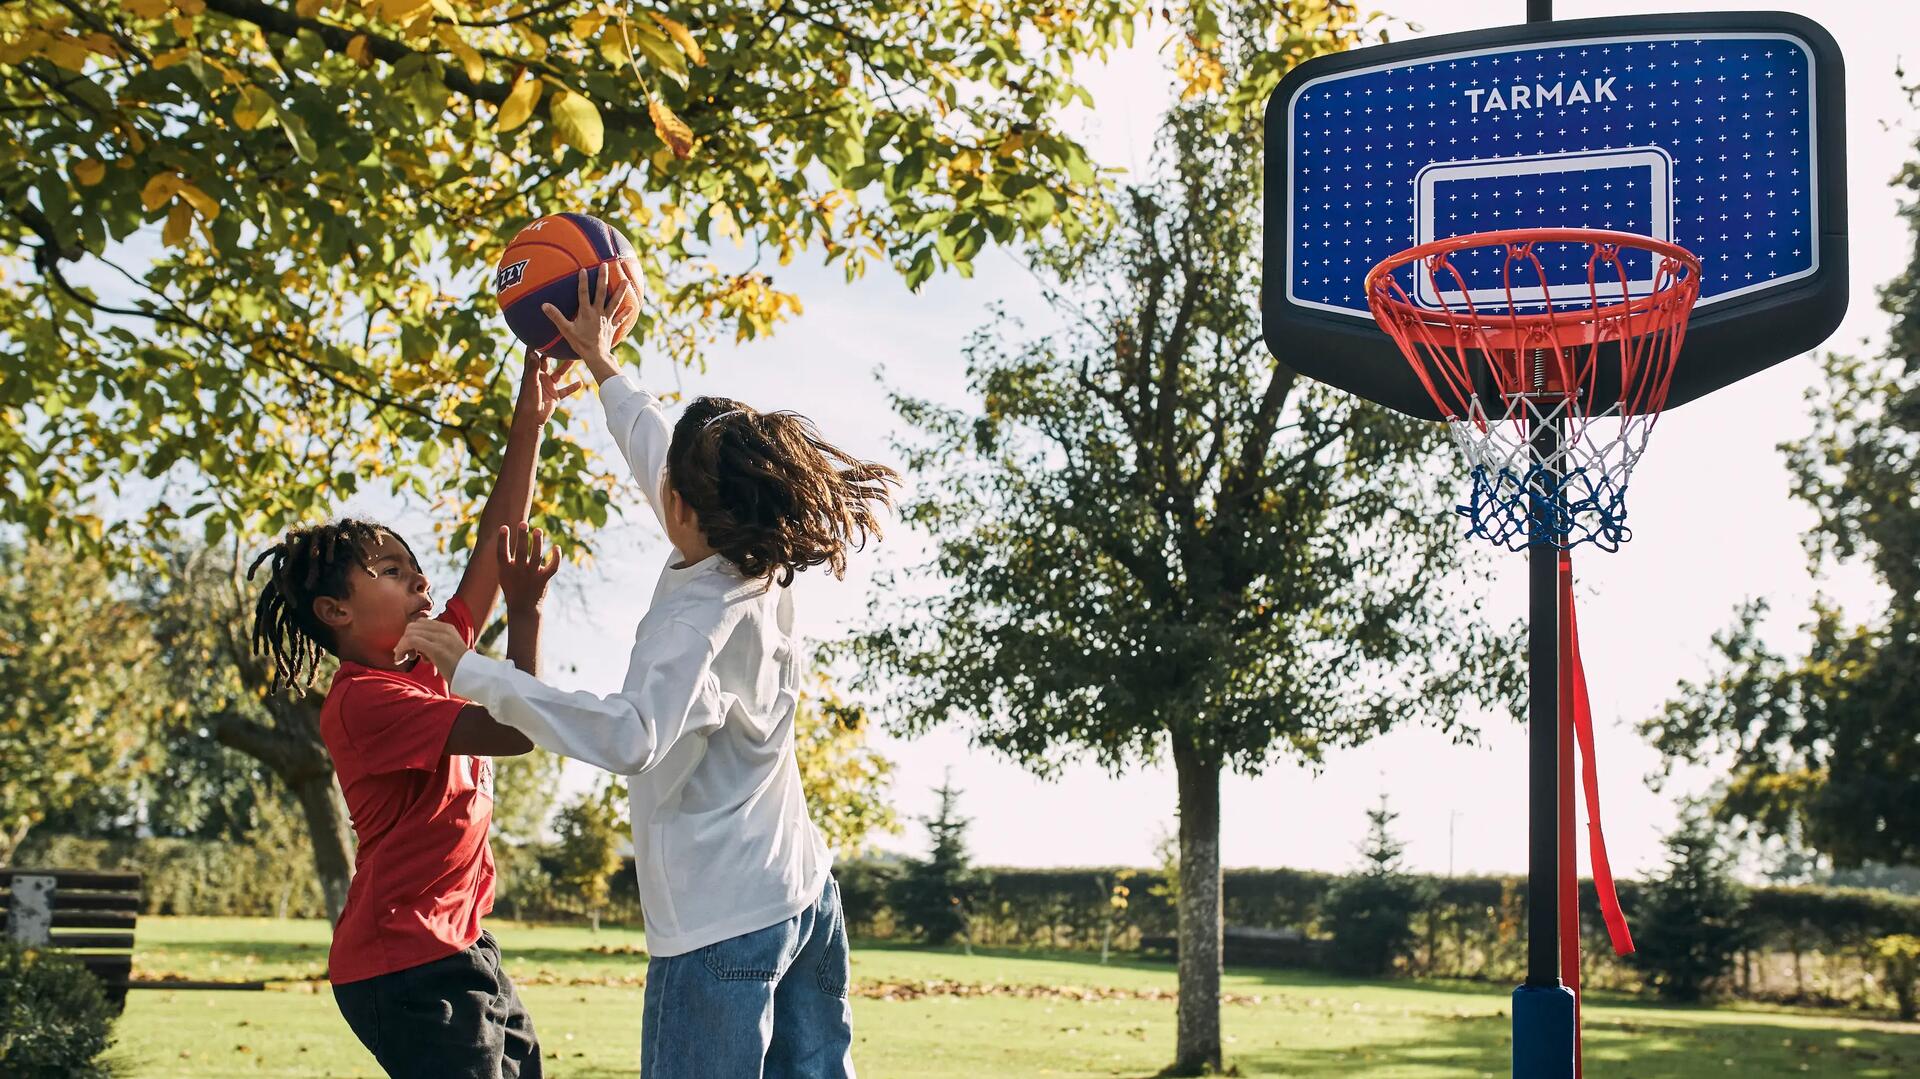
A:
1543,1026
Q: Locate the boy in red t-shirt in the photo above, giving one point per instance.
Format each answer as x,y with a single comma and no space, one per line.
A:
415,976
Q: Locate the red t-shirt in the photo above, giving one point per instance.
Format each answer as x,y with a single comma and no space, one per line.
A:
423,873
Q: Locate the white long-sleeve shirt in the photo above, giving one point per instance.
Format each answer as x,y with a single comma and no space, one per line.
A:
703,728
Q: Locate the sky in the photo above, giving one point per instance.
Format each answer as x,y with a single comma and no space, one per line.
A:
1713,520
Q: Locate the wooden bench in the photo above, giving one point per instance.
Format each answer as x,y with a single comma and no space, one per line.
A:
44,908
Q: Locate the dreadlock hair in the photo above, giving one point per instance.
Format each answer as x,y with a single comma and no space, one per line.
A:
771,495
306,564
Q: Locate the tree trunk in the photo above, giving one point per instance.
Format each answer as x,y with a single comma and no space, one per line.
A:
332,835
293,751
1197,1049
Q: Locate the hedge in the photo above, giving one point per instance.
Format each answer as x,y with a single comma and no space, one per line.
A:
193,876
1815,945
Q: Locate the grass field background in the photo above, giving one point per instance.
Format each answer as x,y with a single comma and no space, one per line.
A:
939,1013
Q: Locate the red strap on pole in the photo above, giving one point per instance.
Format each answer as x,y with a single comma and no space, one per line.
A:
1610,912
1570,693
1576,724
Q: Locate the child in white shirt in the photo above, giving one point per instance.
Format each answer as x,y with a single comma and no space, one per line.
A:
748,972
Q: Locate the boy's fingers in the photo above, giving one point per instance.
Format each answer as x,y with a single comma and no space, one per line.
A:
568,390
584,295
552,564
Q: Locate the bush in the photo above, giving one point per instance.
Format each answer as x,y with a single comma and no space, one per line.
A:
1899,957
1371,917
864,887
523,889
54,1017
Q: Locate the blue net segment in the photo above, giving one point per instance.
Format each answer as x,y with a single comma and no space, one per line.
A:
1576,495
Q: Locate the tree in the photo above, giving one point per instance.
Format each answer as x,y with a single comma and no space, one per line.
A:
524,790
525,786
1689,923
181,785
1156,540
932,895
199,609
75,671
1826,746
847,782
587,853
247,242
1371,912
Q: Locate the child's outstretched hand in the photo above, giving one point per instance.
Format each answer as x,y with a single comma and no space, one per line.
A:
524,573
540,389
434,641
606,314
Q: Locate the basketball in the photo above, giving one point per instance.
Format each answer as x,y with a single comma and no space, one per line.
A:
541,265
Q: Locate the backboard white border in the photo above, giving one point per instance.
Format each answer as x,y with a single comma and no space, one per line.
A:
1660,194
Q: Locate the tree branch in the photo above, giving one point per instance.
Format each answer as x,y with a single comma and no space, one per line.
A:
292,757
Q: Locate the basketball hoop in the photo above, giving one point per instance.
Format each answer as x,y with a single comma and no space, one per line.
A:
1531,332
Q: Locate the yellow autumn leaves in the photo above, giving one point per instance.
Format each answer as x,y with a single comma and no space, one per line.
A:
576,121
668,47
188,202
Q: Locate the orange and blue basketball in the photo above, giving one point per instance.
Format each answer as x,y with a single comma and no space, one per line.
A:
541,265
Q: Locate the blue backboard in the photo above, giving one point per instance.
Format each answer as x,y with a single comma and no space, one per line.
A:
1722,133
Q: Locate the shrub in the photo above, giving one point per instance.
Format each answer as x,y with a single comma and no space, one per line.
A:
54,1017
1692,923
1899,957
934,898
1371,912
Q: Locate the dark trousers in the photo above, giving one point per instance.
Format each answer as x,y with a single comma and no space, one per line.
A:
453,1018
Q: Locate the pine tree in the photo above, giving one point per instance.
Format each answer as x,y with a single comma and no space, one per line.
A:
1690,923
932,896
1371,912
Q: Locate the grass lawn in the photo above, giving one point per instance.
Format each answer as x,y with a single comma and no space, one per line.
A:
936,1013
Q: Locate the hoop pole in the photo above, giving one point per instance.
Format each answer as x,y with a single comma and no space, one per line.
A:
1545,1023
1543,716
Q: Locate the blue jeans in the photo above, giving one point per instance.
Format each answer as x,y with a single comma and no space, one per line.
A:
770,1004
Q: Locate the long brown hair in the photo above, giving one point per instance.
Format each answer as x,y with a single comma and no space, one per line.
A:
771,495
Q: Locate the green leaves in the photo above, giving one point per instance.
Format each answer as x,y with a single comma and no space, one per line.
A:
298,138
333,203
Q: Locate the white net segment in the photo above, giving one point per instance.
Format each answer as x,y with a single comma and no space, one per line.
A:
1576,493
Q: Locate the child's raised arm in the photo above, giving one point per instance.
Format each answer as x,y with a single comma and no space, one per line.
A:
634,417
512,493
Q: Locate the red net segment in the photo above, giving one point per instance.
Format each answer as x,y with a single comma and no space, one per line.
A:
1578,328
